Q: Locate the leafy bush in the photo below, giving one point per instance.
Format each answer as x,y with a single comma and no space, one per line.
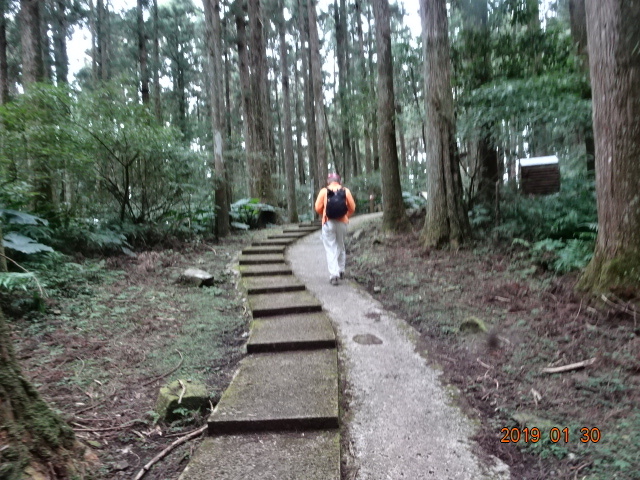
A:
364,185
560,255
23,232
251,213
413,201
562,216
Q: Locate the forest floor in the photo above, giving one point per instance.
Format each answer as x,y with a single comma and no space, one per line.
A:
114,331
492,321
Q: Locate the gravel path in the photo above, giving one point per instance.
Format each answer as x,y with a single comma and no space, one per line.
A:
400,421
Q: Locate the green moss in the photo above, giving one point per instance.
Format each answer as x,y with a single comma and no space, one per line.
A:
603,275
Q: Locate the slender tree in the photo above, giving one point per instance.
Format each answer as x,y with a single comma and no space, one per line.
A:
372,95
307,87
296,95
361,67
578,22
216,89
4,66
342,49
446,221
260,121
32,65
477,48
245,88
290,166
157,105
59,37
394,217
614,63
318,97
142,53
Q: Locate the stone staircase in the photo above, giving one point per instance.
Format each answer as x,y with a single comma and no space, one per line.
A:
278,419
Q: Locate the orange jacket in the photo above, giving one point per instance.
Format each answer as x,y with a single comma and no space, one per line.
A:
321,203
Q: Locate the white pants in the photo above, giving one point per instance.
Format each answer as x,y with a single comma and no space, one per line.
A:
333,233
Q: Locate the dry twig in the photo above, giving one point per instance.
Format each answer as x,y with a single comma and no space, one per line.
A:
168,450
165,374
91,407
108,429
184,390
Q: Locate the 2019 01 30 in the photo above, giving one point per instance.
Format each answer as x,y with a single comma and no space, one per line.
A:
555,435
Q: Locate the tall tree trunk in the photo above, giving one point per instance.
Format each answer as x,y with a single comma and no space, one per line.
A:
32,66
245,88
33,71
307,86
4,66
614,62
290,166
477,44
93,27
296,94
362,69
578,22
446,220
216,89
394,216
60,31
102,41
371,101
401,138
414,89
142,55
260,122
342,48
227,81
33,434
46,14
318,97
157,105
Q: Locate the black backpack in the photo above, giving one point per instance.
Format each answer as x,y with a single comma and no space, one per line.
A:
336,203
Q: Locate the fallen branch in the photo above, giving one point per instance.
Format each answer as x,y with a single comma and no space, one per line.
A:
168,450
166,374
572,366
619,305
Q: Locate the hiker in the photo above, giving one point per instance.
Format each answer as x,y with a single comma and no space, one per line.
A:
335,203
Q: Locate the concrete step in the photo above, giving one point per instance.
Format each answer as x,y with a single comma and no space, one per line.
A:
264,250
307,455
274,241
293,235
265,270
304,331
274,284
306,230
315,223
271,304
280,391
261,259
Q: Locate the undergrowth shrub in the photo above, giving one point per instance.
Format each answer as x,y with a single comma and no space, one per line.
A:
559,230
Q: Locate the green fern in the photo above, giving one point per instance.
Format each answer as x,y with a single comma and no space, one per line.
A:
12,281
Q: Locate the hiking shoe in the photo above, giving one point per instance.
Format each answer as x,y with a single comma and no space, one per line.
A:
334,281
341,275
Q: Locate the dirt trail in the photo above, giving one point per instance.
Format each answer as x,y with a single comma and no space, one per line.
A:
399,419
